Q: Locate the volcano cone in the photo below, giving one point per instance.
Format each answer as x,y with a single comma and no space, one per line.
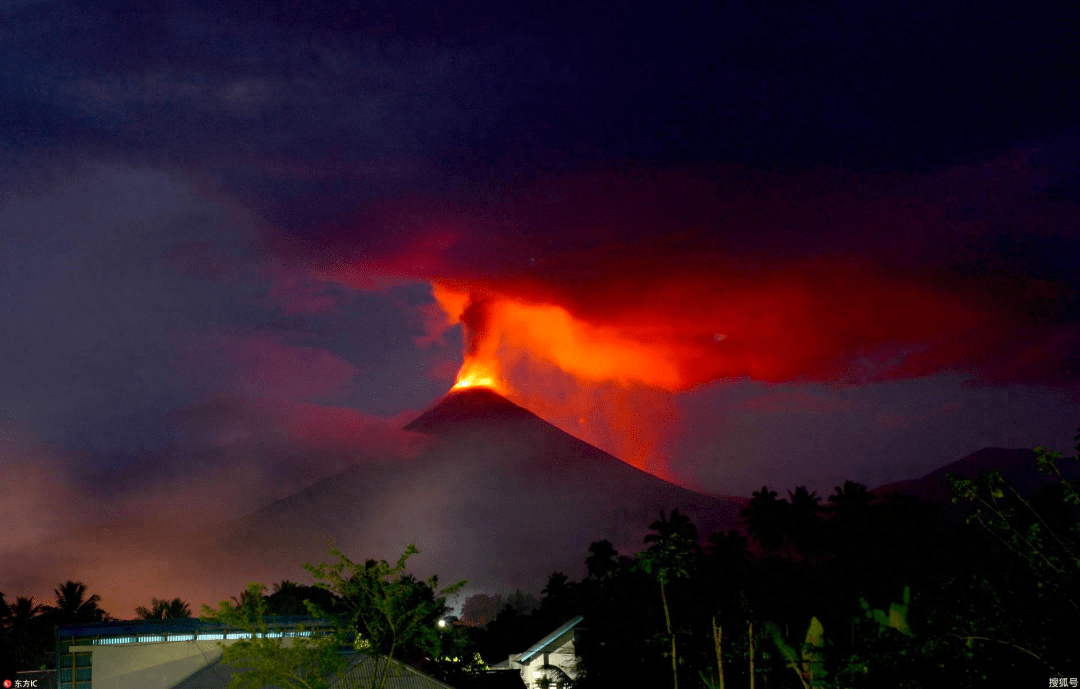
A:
497,496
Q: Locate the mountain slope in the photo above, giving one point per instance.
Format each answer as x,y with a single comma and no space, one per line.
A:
497,496
470,407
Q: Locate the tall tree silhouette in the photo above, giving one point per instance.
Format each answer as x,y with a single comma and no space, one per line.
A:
670,556
766,519
804,521
726,564
161,609
248,599
23,611
73,606
28,634
850,531
602,559
557,586
850,501
290,598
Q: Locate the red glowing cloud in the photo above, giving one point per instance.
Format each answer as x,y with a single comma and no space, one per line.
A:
671,280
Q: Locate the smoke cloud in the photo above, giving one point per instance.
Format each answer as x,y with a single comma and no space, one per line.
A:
675,280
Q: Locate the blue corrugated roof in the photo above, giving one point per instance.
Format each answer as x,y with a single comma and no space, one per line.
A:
175,625
542,643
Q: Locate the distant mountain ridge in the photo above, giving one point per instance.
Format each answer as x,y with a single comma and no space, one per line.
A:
1017,467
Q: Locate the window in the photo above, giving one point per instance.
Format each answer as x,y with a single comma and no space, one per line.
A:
74,670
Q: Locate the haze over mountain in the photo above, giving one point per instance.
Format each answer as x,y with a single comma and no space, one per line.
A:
492,494
497,496
500,497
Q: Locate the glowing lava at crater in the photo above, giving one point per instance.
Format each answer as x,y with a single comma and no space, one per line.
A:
479,374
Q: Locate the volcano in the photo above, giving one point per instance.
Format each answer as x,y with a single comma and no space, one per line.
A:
496,495
468,410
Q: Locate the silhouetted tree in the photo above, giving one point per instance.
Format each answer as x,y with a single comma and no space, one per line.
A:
28,634
602,559
557,586
766,519
267,659
290,598
669,557
387,610
73,606
804,521
161,609
1039,543
850,527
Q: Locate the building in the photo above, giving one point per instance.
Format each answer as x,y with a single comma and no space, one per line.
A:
357,676
550,663
186,654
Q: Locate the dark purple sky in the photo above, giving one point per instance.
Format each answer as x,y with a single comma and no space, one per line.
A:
220,228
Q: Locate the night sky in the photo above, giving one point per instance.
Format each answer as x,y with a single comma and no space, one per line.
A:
242,244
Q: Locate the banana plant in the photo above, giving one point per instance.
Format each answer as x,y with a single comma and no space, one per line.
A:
896,618
807,663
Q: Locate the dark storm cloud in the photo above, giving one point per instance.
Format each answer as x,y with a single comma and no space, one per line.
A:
492,89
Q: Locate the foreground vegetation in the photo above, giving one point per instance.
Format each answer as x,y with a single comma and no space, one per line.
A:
851,591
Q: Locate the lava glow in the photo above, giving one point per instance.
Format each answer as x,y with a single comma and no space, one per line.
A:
476,373
495,326
597,384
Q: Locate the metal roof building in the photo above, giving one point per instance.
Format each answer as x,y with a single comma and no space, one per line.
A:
551,661
187,654
358,676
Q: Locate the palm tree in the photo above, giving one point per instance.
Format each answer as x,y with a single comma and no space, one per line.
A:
557,586
73,606
285,585
27,634
248,600
765,518
850,525
804,521
675,525
24,611
290,598
161,609
671,556
851,500
603,558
